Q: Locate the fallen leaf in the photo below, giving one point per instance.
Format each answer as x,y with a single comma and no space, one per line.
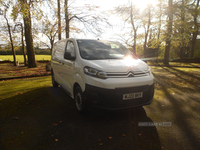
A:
54,124
132,122
51,135
110,137
22,132
60,121
19,93
56,140
16,118
100,144
124,134
140,134
99,140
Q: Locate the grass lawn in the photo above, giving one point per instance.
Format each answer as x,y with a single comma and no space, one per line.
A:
7,70
20,58
11,88
34,115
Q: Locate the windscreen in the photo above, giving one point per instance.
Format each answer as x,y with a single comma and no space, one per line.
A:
96,49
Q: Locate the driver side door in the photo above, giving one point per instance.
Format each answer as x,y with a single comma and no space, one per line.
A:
68,67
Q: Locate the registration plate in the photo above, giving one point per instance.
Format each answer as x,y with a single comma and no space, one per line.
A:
132,96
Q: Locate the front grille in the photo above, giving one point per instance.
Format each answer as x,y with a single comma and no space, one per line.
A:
127,74
131,89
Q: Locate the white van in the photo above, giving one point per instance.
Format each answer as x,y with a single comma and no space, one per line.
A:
103,74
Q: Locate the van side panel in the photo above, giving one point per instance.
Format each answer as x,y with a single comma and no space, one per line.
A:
57,58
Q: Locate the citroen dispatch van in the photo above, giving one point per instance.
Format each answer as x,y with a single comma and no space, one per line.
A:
103,74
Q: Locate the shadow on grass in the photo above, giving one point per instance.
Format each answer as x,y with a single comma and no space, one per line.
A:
46,118
180,74
184,119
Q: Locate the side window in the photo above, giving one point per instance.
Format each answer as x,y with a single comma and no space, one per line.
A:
58,49
70,48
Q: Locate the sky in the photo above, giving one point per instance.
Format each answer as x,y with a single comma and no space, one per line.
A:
116,21
105,6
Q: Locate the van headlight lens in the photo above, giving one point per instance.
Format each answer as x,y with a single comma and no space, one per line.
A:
149,71
95,73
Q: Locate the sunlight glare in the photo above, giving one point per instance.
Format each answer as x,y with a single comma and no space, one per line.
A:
143,3
130,61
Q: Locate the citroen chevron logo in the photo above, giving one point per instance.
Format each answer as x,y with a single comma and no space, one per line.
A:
130,74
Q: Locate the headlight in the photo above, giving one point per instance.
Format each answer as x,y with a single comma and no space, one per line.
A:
95,73
149,71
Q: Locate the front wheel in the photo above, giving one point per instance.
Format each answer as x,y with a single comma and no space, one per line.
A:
79,100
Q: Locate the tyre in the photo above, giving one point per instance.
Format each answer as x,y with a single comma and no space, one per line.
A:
54,83
79,100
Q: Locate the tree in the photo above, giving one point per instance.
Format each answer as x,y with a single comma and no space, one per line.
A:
50,30
146,21
9,30
59,20
195,15
182,43
159,24
19,24
169,31
182,28
130,14
25,9
86,16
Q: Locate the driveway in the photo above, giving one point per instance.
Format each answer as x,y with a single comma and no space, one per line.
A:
46,118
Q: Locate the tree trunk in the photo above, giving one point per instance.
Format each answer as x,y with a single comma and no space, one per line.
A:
147,32
66,19
182,44
59,21
23,50
194,37
195,32
159,30
11,40
145,44
51,42
169,33
28,36
149,43
135,31
134,46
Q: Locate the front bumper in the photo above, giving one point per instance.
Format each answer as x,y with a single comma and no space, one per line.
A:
113,98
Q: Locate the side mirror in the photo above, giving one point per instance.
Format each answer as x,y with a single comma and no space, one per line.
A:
68,56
